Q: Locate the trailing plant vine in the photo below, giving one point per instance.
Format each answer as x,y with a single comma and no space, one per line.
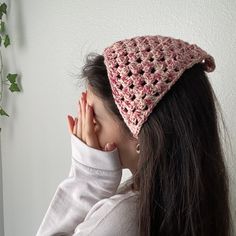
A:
10,79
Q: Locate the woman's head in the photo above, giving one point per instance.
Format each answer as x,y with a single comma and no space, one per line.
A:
137,73
180,171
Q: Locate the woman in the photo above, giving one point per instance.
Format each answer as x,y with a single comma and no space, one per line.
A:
149,107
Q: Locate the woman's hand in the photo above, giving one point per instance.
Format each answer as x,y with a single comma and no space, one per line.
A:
83,126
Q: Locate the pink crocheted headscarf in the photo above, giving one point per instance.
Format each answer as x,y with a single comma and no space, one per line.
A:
142,69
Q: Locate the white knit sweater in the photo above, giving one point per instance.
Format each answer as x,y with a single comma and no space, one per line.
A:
87,202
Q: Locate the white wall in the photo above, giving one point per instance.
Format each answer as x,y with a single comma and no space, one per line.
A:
1,195
49,42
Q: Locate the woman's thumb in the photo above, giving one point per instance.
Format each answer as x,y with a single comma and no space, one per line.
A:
110,146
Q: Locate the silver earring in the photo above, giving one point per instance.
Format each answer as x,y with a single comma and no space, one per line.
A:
137,149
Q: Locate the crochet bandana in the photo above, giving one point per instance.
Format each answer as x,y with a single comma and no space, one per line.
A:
142,69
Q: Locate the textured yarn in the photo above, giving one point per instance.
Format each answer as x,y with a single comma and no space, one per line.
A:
142,69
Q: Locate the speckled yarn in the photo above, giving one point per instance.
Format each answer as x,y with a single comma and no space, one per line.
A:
142,69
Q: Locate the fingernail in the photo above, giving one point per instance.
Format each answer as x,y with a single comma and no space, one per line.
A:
106,146
82,96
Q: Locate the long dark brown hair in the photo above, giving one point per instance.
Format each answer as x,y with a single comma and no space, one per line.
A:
182,177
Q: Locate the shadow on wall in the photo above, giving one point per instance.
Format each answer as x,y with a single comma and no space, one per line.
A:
1,194
18,21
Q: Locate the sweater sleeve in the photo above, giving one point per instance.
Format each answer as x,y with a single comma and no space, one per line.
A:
94,175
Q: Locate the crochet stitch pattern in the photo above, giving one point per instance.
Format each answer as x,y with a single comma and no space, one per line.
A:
142,69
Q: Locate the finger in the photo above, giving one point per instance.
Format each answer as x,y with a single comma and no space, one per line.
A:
83,112
91,137
79,125
70,122
75,127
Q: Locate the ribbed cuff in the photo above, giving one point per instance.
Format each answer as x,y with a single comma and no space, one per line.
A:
95,158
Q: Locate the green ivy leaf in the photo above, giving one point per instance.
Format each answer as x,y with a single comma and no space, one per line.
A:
14,87
3,8
3,113
2,27
6,40
12,78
